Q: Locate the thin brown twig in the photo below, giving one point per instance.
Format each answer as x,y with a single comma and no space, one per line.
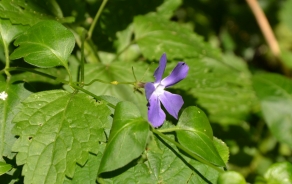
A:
265,27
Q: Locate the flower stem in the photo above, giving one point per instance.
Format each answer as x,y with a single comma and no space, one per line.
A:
7,60
166,130
96,18
186,150
106,82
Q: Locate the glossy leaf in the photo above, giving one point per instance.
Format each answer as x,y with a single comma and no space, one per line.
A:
127,138
46,44
156,35
56,129
4,167
222,149
231,177
9,32
16,93
193,125
274,92
280,173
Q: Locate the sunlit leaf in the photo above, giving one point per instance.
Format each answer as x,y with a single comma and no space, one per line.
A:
231,177
46,44
129,132
280,173
56,129
15,93
4,167
9,32
193,125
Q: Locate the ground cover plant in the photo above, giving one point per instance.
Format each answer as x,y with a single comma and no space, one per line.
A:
135,91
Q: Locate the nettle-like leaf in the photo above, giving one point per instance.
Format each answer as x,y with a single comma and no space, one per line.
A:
165,164
12,95
56,129
275,94
46,44
9,32
127,138
121,72
196,135
280,173
156,35
28,12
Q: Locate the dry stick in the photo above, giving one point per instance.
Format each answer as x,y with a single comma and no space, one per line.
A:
265,27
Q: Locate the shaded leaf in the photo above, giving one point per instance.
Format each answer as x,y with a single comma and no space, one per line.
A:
274,92
156,35
56,129
129,132
193,125
16,93
46,44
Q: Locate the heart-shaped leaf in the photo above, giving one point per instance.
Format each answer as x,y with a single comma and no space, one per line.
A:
46,44
195,134
127,138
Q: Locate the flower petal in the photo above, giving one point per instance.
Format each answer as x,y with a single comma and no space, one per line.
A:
178,73
149,89
160,70
156,116
171,102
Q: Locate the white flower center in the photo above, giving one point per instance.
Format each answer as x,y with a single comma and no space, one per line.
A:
159,89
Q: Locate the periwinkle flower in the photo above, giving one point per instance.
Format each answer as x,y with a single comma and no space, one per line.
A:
155,92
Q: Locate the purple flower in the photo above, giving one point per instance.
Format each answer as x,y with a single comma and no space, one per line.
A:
155,92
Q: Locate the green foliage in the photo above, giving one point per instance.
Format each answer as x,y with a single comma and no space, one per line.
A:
78,113
274,92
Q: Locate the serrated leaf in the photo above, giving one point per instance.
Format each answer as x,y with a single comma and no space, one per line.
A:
280,173
129,132
222,149
56,129
27,12
156,35
274,92
8,109
121,72
4,167
231,177
193,125
46,44
9,32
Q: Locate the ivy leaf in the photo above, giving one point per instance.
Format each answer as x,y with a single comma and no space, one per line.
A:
27,12
56,129
129,132
193,125
9,32
46,44
280,173
274,92
8,108
156,35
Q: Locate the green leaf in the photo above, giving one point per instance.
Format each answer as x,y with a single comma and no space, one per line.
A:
4,167
16,93
274,92
129,132
166,10
9,32
222,149
121,72
231,177
193,125
28,12
46,44
279,173
56,129
285,13
156,35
